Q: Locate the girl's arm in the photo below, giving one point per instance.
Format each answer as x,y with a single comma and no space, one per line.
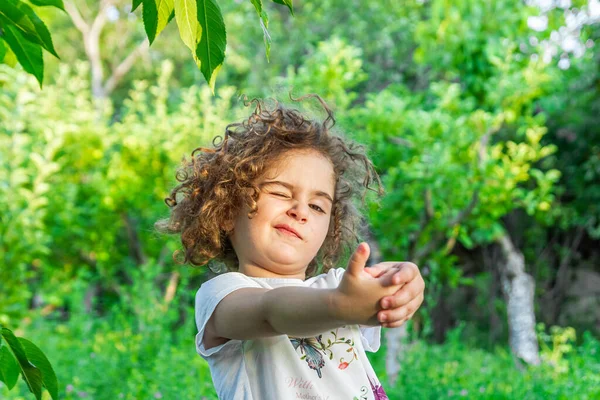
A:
300,311
252,313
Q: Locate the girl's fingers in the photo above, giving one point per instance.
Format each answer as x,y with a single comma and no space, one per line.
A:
397,314
359,259
408,292
379,269
408,272
396,324
388,277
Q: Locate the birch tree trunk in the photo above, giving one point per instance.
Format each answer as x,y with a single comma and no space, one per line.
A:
91,32
518,288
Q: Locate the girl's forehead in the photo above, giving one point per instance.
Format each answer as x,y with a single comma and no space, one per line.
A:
302,164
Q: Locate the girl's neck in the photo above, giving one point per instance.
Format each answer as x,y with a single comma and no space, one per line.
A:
256,271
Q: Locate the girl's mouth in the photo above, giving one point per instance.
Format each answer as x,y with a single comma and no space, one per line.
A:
287,231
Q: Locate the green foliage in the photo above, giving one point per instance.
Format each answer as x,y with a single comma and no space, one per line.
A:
201,27
573,122
556,346
437,161
125,356
459,119
211,48
67,203
20,356
23,35
457,370
150,355
332,71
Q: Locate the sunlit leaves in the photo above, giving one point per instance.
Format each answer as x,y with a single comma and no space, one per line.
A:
28,54
201,28
3,50
156,15
211,49
23,18
135,4
186,15
200,24
24,34
53,3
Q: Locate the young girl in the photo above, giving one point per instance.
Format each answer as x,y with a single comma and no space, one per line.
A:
273,201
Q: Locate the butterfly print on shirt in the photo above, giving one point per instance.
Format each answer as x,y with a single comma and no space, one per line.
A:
315,350
311,350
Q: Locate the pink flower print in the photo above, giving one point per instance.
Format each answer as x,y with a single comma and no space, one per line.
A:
378,390
343,365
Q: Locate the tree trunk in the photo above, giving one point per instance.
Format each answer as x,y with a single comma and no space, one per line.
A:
490,260
91,32
518,288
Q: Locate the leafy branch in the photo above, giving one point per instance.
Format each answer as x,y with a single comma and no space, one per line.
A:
18,356
23,34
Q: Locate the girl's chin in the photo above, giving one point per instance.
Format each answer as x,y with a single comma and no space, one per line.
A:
288,258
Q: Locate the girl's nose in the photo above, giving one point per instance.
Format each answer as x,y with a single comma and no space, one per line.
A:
299,212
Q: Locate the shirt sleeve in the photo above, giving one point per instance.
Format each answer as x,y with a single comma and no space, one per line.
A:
370,335
208,297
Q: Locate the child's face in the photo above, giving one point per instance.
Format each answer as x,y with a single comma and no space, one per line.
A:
296,194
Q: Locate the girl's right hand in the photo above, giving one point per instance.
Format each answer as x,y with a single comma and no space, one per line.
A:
357,298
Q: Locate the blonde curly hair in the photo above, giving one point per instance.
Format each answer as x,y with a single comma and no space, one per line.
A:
216,181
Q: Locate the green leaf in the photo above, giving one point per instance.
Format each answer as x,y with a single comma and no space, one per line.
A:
9,58
31,374
27,22
52,3
257,5
156,15
465,239
3,49
287,3
186,15
135,5
9,369
211,49
165,11
150,17
28,54
38,359
264,24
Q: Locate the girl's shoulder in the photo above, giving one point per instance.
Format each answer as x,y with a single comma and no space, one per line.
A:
225,281
330,279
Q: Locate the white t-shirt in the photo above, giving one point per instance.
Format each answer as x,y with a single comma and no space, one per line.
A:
330,366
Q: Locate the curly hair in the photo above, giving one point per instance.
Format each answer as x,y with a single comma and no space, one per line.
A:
216,181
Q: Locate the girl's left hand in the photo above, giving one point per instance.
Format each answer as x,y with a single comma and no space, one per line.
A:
401,306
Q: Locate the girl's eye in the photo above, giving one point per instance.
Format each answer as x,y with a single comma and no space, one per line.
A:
317,208
280,194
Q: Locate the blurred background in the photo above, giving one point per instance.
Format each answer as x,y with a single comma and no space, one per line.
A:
481,117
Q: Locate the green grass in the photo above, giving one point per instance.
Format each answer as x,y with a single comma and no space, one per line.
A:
110,359
454,370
